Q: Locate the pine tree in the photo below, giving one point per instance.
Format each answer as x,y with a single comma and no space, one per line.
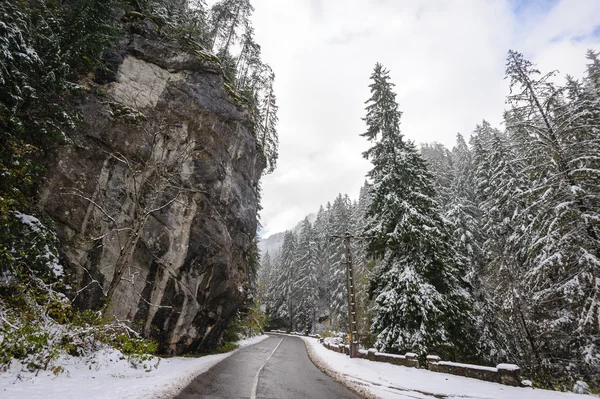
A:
340,224
227,17
267,131
358,225
421,300
563,260
265,274
322,232
439,163
282,288
463,212
362,268
503,298
248,59
287,278
307,287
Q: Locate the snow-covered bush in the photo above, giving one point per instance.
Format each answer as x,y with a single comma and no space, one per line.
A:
334,337
37,321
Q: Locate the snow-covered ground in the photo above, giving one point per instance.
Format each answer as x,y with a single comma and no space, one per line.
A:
385,381
107,376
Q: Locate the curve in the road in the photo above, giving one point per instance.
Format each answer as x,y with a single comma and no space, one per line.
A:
276,368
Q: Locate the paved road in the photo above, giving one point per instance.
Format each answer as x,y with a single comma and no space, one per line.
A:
276,368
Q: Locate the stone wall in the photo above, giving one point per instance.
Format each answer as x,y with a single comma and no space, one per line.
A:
507,374
408,360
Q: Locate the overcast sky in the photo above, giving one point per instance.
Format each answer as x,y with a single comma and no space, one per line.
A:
447,59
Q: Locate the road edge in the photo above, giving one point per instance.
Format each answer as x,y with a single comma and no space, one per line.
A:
336,376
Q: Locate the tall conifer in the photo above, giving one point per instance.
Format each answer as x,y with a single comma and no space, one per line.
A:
421,301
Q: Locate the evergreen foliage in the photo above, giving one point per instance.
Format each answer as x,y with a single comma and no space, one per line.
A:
558,139
486,252
45,46
318,277
422,302
306,261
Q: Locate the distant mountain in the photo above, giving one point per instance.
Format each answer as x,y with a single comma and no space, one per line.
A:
272,244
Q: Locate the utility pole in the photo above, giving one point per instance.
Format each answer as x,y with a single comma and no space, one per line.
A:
352,316
291,298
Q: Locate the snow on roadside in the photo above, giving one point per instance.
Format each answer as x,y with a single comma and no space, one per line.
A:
388,381
109,376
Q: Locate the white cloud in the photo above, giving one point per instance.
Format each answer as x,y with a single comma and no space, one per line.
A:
447,59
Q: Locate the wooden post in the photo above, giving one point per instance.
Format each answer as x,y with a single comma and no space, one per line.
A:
353,326
352,314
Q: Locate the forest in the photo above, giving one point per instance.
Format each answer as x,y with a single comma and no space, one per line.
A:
485,253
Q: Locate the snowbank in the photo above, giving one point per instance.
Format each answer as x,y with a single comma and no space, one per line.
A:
390,381
108,375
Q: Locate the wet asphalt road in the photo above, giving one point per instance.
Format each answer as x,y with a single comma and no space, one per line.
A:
276,368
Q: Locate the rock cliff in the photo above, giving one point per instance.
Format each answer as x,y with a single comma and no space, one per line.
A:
155,197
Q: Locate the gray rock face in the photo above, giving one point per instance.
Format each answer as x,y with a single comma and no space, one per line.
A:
155,200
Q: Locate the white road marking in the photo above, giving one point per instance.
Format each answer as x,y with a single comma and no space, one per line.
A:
255,384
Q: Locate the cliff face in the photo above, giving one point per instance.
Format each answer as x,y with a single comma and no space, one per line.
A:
155,200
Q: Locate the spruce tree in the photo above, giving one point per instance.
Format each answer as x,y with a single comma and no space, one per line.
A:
267,129
560,141
307,291
463,212
282,287
340,224
439,163
503,297
227,16
421,300
321,232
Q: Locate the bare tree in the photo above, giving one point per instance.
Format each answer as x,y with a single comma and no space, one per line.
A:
156,180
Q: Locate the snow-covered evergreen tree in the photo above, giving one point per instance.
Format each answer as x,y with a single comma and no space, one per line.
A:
307,285
363,266
560,147
502,294
339,225
267,129
421,299
322,232
463,212
265,274
283,284
439,163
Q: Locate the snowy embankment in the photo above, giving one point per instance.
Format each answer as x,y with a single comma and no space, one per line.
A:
108,375
382,380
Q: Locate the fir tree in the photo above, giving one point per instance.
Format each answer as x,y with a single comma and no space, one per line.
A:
267,130
307,292
439,163
463,212
288,273
421,299
339,225
227,17
503,297
560,147
322,232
